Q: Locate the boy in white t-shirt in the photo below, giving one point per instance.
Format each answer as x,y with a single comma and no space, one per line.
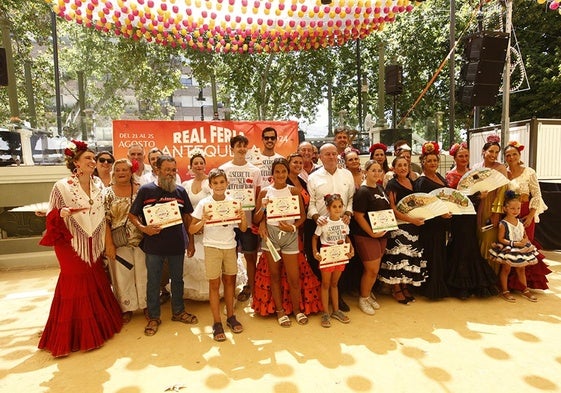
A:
220,253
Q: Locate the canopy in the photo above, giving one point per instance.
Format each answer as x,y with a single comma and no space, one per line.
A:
238,26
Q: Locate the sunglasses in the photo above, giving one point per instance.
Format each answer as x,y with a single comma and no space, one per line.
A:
106,160
270,138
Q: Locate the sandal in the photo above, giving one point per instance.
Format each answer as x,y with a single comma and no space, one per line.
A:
528,295
301,318
325,320
127,316
218,332
185,317
244,294
396,297
152,327
234,324
410,298
340,316
508,297
283,320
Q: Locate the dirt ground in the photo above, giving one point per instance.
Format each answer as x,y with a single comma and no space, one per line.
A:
428,346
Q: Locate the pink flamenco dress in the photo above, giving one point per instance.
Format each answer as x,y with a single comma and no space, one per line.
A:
84,312
310,299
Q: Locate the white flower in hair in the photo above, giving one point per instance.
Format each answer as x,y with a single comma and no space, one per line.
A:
71,146
197,152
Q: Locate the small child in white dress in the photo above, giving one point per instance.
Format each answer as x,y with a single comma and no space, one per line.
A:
513,248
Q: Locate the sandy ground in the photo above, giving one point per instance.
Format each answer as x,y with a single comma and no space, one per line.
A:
442,346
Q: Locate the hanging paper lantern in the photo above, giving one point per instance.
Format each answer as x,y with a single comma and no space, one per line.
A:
241,26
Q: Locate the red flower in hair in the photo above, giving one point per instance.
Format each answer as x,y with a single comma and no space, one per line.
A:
74,146
377,146
430,148
516,145
455,147
135,165
493,138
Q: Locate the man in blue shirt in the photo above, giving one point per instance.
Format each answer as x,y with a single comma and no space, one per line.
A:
164,240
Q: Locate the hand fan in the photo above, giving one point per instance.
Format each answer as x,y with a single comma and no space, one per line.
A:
456,202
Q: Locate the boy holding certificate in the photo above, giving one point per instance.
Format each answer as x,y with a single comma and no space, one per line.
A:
219,240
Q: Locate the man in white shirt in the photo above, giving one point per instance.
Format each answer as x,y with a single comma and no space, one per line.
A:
136,153
330,179
265,160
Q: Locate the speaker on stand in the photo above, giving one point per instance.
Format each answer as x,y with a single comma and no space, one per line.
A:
481,75
393,85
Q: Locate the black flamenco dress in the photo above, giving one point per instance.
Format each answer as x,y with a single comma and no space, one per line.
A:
403,261
433,240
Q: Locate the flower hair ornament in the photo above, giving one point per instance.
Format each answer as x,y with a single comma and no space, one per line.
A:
516,145
74,147
511,194
430,148
493,138
197,152
377,146
134,166
455,147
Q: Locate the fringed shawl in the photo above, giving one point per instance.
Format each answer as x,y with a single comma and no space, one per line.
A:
87,227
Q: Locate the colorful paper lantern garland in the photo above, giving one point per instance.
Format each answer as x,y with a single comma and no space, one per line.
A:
242,26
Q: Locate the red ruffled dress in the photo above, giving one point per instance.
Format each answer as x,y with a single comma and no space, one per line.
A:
84,312
310,299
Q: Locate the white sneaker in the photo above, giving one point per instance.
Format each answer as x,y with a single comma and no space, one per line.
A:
372,300
365,306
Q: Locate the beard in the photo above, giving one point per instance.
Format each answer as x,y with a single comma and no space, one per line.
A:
167,184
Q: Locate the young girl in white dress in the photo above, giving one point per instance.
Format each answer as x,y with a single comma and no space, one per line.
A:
513,248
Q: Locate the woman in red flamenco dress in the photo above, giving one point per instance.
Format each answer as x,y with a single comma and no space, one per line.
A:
84,312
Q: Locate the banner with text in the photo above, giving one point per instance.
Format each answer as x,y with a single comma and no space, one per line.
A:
179,138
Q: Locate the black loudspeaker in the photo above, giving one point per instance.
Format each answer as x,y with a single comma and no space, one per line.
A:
3,68
484,60
393,83
391,135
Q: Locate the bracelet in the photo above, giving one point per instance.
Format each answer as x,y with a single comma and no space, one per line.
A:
293,227
511,243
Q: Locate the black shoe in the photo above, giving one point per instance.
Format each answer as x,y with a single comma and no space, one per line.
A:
343,306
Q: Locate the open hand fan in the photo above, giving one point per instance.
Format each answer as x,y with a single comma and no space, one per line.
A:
40,207
422,205
456,202
481,179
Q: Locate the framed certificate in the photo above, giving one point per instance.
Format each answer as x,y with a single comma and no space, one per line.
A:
334,255
222,212
382,220
283,208
245,196
163,214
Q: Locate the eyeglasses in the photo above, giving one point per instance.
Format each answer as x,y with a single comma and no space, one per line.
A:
106,160
270,138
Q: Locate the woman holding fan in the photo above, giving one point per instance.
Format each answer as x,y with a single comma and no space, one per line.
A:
467,273
490,207
433,235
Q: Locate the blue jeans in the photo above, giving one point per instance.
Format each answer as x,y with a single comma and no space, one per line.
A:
154,265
